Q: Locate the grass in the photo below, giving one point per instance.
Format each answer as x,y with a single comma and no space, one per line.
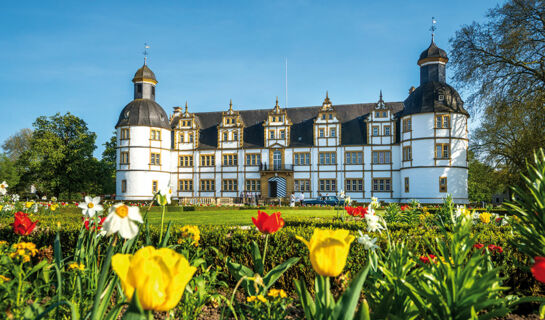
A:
220,216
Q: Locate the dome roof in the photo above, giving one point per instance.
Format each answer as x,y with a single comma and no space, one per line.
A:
433,96
144,73
433,51
143,112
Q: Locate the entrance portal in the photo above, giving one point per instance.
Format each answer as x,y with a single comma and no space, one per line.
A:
277,187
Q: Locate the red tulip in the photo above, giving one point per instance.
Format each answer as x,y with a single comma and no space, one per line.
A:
22,225
87,222
478,245
426,259
538,270
268,224
493,248
405,207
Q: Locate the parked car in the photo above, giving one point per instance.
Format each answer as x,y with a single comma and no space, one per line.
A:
324,200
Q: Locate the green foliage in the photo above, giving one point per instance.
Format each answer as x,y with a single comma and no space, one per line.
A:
8,171
60,158
482,181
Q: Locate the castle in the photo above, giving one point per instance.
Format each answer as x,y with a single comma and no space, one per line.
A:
396,151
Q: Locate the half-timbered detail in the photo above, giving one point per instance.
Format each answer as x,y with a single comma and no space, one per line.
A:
397,151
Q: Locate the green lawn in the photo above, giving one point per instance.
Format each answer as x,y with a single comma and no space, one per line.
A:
232,217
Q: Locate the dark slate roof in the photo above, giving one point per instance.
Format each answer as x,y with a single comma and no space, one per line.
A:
351,117
143,112
433,51
426,99
144,73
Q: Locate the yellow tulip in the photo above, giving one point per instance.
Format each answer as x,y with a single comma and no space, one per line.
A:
159,276
328,250
485,217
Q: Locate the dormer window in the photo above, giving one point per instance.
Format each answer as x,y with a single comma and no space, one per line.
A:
330,116
139,88
441,97
323,116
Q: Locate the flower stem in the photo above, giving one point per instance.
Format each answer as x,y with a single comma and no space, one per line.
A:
265,251
162,221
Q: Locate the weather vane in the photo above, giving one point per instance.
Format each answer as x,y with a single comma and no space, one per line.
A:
146,47
433,27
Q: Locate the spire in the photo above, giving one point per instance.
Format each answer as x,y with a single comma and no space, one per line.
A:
380,99
230,105
186,112
146,47
380,104
327,103
276,107
433,28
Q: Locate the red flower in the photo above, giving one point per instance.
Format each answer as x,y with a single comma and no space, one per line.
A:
405,207
426,259
362,211
478,245
268,224
498,220
87,222
350,210
23,225
493,248
538,270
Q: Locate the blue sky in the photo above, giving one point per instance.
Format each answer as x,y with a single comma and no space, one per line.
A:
80,56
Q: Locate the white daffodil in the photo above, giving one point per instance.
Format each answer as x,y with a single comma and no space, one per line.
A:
347,201
91,206
367,242
374,203
3,188
121,219
15,197
164,196
44,198
373,223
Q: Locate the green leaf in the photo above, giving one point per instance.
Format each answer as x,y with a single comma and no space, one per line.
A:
57,250
272,276
346,307
167,236
309,306
258,260
135,310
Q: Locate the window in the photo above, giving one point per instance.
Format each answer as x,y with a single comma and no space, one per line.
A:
301,185
328,185
323,116
282,134
253,159
181,137
155,134
229,185
235,136
407,153
185,185
328,158
442,184
333,132
375,131
382,184
386,130
154,186
253,185
381,157
153,91
185,161
271,134
442,150
139,88
381,114
321,133
301,158
230,160
123,186
208,160
125,134
407,125
354,157
225,136
353,185
208,185
406,184
155,159
190,137
442,121
124,157
330,116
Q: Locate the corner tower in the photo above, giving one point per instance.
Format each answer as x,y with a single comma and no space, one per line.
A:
144,142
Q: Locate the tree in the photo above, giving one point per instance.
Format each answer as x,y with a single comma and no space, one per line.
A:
8,172
482,180
501,63
17,144
60,158
504,57
107,165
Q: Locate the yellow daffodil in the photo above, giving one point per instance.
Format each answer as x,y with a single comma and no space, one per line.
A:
159,276
277,293
485,217
76,266
28,204
328,250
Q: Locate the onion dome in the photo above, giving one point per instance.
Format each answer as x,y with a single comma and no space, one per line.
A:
143,112
433,53
144,74
433,96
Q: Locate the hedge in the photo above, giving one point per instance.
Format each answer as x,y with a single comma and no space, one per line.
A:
235,242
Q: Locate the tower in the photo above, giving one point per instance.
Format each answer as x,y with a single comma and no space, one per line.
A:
144,142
